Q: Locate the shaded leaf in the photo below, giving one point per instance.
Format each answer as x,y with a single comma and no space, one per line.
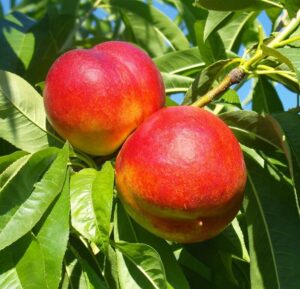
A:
22,265
204,81
272,219
7,160
289,124
252,129
265,97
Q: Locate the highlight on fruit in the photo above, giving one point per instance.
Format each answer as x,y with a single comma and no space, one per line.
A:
181,174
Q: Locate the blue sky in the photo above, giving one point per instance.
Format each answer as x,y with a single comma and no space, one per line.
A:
289,99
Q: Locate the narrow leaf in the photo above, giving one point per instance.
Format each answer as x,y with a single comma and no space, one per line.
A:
216,20
52,233
127,230
7,160
204,81
272,219
22,265
265,97
180,62
91,203
211,49
288,126
147,260
22,115
28,195
159,21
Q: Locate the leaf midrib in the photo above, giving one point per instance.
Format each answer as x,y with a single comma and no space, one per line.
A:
6,95
266,229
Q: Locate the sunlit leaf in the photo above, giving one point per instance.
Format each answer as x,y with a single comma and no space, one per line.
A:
158,20
91,203
26,197
22,115
147,260
216,20
52,233
128,230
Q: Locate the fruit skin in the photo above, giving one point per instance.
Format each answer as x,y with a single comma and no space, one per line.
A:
181,174
96,97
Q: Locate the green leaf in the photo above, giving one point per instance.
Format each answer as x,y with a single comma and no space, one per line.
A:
292,7
252,129
211,49
292,54
215,264
147,260
52,233
204,81
91,203
26,197
135,32
277,54
230,97
127,230
16,43
265,98
232,241
273,221
168,30
79,273
180,62
22,265
22,115
289,125
234,5
176,83
216,20
7,160
11,171
232,32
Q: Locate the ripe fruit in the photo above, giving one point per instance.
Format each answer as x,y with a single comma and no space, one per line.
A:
181,174
96,97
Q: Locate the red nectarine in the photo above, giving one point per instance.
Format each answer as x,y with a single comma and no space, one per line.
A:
181,174
96,97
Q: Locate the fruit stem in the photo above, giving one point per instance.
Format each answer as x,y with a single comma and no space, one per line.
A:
234,76
238,73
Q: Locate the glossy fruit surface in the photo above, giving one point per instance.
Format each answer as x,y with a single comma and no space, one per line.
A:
181,174
96,97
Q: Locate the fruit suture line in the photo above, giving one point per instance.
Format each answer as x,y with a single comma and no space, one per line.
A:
252,65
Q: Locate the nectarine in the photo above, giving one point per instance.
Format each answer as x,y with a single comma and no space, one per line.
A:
96,97
181,174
